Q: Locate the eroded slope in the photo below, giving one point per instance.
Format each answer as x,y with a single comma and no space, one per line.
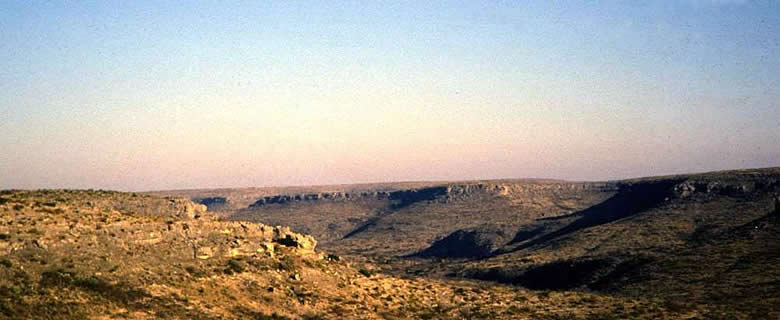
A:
108,255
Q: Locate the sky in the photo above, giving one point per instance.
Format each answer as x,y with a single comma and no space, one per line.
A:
155,95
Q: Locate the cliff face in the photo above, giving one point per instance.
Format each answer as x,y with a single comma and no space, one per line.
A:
449,218
409,220
440,193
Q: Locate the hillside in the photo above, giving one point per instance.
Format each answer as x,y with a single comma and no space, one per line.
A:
108,255
702,240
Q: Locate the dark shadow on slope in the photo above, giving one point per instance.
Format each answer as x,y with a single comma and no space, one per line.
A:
399,200
365,226
371,222
630,200
523,234
405,198
474,243
596,273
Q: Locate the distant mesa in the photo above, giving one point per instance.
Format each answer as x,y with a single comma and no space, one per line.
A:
283,199
398,198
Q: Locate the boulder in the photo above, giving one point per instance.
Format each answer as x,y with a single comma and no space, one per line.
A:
267,248
204,253
194,210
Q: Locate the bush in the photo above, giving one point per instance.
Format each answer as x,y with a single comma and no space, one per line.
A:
366,272
234,266
93,284
287,263
57,278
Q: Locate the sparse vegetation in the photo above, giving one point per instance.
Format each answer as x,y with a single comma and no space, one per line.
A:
287,263
103,251
234,266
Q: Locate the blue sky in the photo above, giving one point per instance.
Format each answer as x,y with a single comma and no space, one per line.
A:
159,95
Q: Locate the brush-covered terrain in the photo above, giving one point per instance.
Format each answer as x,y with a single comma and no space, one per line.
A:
109,255
706,245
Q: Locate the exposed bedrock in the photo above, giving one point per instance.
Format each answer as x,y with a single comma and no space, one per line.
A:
442,193
725,187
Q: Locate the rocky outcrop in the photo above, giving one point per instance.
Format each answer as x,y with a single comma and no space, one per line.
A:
726,188
331,196
193,210
180,208
441,193
285,237
244,239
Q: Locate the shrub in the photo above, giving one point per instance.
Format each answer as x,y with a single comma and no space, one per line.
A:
366,272
287,263
92,283
57,278
234,266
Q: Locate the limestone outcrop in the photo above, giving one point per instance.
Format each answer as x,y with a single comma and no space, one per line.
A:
440,193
